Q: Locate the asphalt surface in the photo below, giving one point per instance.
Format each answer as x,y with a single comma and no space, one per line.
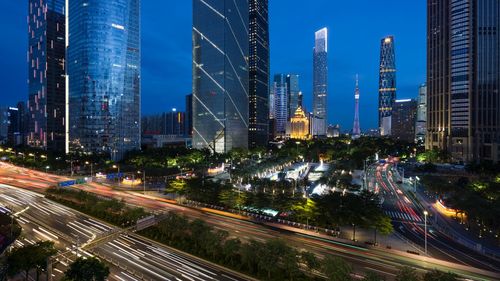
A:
409,221
384,262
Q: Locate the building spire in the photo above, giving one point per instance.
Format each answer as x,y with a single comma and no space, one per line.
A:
356,130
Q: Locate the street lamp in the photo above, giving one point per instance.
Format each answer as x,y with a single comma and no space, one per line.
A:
425,230
91,169
117,167
143,180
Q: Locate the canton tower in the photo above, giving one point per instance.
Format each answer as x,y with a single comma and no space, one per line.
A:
356,131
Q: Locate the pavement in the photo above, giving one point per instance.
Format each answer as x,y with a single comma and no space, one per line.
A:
382,261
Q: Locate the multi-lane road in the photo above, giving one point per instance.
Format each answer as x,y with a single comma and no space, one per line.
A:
364,259
409,222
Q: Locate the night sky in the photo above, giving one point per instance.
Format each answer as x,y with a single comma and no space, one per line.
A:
355,30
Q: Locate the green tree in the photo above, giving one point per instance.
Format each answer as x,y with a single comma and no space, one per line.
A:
336,269
89,269
436,275
310,260
382,225
30,257
407,274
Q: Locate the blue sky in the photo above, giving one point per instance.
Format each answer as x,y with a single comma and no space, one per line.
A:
355,30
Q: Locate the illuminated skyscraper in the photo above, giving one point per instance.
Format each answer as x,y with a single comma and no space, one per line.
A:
46,74
404,114
280,93
356,130
320,81
104,62
463,79
387,85
220,74
259,73
421,122
293,90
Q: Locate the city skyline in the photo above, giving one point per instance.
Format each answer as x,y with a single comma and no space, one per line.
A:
166,74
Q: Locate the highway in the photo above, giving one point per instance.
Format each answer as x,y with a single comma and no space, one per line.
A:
46,220
408,220
382,261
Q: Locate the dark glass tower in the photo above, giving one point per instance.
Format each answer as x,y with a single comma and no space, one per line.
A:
259,73
293,90
104,62
320,81
387,85
189,116
220,74
46,74
464,78
280,93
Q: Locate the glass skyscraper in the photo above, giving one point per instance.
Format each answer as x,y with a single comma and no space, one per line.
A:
280,114
46,74
320,81
259,73
387,85
104,62
293,90
421,123
220,74
463,80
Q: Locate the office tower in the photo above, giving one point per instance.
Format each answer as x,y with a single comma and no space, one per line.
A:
387,85
404,113
293,90
356,130
299,125
104,62
320,81
280,104
46,74
220,74
4,124
463,81
421,121
175,122
189,116
333,131
259,73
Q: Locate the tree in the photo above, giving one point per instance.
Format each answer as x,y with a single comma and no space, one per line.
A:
89,269
436,275
383,225
372,276
407,274
336,269
30,257
177,186
310,260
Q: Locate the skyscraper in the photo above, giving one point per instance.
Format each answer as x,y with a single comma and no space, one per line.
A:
104,62
189,116
280,94
320,81
421,122
463,81
46,74
259,73
356,130
220,74
404,114
293,90
387,85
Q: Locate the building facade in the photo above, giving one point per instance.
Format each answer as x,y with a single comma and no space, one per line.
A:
104,62
320,81
463,80
189,116
298,127
259,73
387,84
404,113
46,74
293,92
220,74
421,121
280,94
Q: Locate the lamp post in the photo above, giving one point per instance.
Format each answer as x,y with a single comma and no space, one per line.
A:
119,178
143,180
47,169
91,169
425,230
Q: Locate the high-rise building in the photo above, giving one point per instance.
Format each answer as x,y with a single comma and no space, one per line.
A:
46,74
333,131
189,116
4,124
404,113
463,78
387,85
280,94
104,62
293,91
259,73
356,129
220,74
299,125
421,121
320,81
